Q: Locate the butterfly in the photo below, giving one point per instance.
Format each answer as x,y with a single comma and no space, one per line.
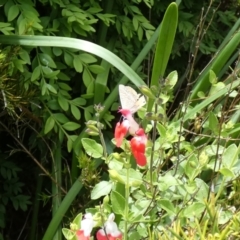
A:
130,99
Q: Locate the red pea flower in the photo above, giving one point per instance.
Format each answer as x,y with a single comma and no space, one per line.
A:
111,230
120,131
86,227
133,125
138,146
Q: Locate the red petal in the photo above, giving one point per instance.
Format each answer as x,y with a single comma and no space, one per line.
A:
140,132
118,135
101,235
125,112
137,145
140,158
138,150
120,132
81,236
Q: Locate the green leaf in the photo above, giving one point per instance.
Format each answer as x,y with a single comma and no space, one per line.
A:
13,12
87,115
51,88
212,77
79,101
46,70
68,234
63,102
87,77
120,176
227,172
68,59
171,79
118,203
77,63
140,33
230,156
57,51
92,148
87,58
165,43
191,169
101,189
135,23
53,104
96,68
64,86
36,73
71,126
164,46
69,144
77,220
49,125
60,135
60,117
75,112
18,63
213,123
22,26
46,60
24,56
63,76
194,210
167,206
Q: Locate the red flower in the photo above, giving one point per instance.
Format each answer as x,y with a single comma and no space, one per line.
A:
86,227
120,131
111,230
81,236
138,146
102,236
133,125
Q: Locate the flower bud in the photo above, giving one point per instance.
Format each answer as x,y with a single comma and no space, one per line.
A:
106,200
159,117
100,125
159,101
116,156
149,115
98,108
147,91
92,127
91,122
91,132
115,176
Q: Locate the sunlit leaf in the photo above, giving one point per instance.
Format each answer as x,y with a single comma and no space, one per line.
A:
118,203
92,148
101,189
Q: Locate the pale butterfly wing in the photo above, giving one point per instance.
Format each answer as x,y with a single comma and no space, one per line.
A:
130,99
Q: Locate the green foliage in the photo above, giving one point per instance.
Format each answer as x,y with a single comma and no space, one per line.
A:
11,190
57,88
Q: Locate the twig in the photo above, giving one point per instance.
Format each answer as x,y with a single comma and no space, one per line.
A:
33,158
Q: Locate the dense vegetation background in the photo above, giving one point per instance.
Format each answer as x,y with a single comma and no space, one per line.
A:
48,93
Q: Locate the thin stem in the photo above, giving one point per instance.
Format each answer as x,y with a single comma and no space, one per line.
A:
103,144
126,204
101,137
33,158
